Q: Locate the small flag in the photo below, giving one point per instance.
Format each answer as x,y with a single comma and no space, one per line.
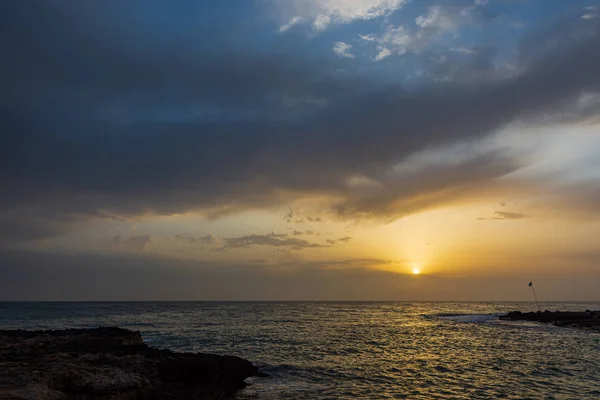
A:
530,284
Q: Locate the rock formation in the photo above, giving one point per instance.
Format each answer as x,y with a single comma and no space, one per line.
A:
579,319
110,364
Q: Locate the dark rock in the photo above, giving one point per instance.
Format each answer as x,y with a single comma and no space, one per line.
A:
111,364
577,319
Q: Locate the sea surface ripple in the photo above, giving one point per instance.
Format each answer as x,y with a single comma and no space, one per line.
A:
377,350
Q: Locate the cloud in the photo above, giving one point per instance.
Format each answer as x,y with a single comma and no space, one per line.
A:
333,242
208,239
292,22
593,14
480,66
395,40
429,28
353,262
455,175
323,13
435,18
343,50
383,52
590,16
277,235
294,217
511,215
30,224
341,264
439,29
301,233
188,238
506,215
271,240
221,128
368,38
291,217
464,50
134,242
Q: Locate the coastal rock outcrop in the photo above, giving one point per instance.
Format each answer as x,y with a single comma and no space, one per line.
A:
110,364
577,319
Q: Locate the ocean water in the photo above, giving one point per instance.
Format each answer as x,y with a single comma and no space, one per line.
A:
375,350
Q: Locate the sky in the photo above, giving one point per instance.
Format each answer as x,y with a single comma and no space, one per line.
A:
300,150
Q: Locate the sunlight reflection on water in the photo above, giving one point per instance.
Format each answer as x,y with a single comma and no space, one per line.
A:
359,350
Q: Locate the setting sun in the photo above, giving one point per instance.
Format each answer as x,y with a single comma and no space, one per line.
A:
416,270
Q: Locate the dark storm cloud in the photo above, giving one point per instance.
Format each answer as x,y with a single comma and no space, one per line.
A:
428,185
479,64
34,223
17,226
102,119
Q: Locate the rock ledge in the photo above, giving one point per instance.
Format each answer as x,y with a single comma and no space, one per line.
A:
110,364
576,319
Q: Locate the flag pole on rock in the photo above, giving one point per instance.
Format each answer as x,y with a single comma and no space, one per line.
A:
534,295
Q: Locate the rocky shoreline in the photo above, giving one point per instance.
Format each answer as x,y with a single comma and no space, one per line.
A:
111,364
576,319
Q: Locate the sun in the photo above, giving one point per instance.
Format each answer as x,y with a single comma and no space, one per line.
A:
416,269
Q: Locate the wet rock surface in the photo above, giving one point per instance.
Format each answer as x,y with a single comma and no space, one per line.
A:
576,319
111,364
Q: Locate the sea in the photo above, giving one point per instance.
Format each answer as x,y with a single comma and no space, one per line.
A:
358,350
